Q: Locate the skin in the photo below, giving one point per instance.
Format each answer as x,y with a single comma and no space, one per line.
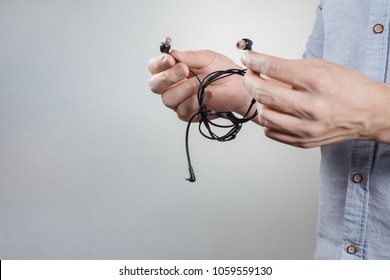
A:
178,88
304,103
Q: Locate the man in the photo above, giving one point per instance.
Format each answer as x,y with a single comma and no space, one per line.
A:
335,98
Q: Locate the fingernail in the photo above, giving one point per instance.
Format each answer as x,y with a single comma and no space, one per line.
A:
163,59
244,57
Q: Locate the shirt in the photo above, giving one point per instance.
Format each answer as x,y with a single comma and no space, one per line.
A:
354,196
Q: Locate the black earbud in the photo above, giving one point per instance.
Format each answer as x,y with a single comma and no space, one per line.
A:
244,44
165,45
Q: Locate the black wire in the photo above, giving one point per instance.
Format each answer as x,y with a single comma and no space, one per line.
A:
205,121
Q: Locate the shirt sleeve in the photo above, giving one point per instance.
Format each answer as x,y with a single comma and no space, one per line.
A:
315,44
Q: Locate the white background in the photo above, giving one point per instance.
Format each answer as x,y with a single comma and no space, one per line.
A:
92,165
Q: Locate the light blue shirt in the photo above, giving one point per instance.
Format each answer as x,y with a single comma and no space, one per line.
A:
354,207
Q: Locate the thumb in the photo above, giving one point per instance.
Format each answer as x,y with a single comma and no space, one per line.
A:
195,59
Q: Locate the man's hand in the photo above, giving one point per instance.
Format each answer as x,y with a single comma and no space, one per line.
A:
325,103
172,78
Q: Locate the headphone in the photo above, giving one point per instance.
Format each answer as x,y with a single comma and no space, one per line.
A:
165,45
243,44
207,116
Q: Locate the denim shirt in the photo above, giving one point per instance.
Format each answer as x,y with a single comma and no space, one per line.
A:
354,197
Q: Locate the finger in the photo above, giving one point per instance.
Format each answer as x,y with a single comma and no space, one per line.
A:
281,133
273,95
284,138
177,94
284,70
187,108
280,121
294,131
160,63
293,140
161,81
195,59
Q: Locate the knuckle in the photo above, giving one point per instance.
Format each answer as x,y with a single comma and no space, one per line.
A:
179,94
251,63
258,89
308,131
152,65
289,139
323,81
164,78
300,142
268,133
314,131
185,110
158,63
263,121
269,67
305,145
320,111
159,82
189,87
155,64
152,85
169,100
166,101
182,115
261,95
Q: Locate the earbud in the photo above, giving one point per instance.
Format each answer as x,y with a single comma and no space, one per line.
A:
244,44
165,45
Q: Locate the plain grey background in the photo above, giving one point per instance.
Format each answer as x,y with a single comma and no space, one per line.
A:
92,165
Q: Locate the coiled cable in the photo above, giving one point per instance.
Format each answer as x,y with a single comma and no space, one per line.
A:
207,116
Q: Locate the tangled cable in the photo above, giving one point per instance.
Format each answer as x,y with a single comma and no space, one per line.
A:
205,121
206,116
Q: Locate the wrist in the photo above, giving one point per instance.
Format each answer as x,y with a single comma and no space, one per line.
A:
247,108
379,118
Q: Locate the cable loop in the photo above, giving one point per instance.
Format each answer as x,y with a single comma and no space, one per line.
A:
206,116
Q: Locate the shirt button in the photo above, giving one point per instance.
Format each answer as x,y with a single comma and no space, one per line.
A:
378,28
357,178
351,249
